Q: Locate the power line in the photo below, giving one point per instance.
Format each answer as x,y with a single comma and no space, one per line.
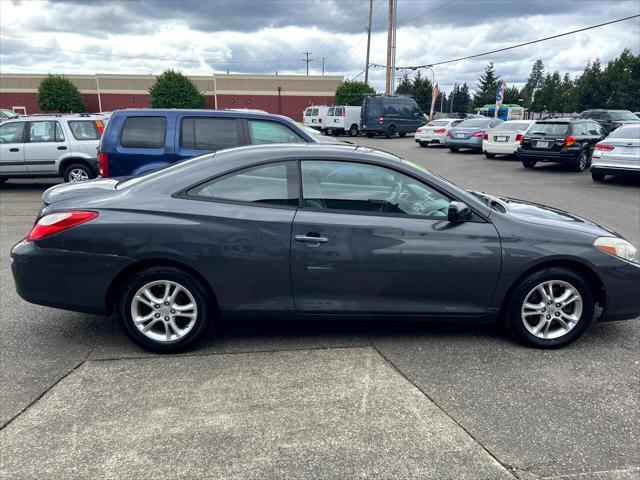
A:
511,47
426,13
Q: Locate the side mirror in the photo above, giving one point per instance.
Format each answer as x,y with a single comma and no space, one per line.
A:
458,212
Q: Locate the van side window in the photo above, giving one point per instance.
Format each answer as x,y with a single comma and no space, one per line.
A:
144,132
338,112
202,133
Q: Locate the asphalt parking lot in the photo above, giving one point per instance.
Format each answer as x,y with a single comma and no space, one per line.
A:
340,400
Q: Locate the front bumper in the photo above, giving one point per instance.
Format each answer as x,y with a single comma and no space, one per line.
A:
63,279
621,282
474,143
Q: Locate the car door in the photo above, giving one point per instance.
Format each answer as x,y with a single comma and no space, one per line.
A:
369,239
12,148
45,142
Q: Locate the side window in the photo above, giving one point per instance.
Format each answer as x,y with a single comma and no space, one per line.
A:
84,130
314,112
307,112
390,108
581,128
59,133
45,131
12,132
358,187
330,111
273,184
338,112
210,133
144,132
595,129
271,132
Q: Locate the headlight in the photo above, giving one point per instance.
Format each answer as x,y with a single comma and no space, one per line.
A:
618,247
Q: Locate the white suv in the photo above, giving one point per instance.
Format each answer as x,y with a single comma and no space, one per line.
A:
50,146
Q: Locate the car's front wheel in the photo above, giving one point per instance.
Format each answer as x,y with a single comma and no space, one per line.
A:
454,149
550,308
163,309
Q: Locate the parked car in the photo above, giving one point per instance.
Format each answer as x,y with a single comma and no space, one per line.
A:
435,131
6,114
505,138
567,141
140,140
50,146
344,119
297,230
390,114
469,133
314,116
618,154
610,119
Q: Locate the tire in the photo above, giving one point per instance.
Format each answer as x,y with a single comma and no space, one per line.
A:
526,163
78,172
580,310
369,135
583,162
329,131
353,131
391,131
424,144
598,177
454,149
3,179
490,155
402,135
164,318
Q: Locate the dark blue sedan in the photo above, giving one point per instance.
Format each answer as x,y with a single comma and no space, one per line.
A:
305,230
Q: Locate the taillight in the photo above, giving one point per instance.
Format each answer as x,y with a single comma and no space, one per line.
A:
606,148
344,113
519,138
419,130
448,133
57,222
100,127
486,136
477,133
381,120
570,140
440,130
104,164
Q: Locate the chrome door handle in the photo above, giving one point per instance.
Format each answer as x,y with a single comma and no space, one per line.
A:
311,239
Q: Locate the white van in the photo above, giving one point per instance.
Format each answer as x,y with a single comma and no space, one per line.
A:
314,116
342,119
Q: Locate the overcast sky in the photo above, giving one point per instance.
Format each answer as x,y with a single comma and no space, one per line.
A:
265,36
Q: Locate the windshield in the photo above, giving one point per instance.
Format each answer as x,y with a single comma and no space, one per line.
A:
623,115
549,128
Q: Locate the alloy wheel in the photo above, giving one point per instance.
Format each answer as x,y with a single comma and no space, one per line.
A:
164,310
78,175
551,309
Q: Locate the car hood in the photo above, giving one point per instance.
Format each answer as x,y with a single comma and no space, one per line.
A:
531,212
92,188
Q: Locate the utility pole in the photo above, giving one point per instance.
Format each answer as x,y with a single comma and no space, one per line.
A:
366,67
393,47
323,66
387,89
307,60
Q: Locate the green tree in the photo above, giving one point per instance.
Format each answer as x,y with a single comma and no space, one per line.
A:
487,86
512,95
352,92
174,90
568,99
422,91
622,77
404,87
58,94
465,99
592,88
534,83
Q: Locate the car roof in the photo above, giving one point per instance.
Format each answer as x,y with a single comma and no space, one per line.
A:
55,116
155,112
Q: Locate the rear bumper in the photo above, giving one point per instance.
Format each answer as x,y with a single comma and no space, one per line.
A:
475,143
505,149
62,279
566,155
430,138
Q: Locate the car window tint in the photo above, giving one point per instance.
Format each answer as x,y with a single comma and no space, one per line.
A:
11,132
273,184
623,115
84,130
549,129
338,112
593,128
307,112
374,108
580,128
598,115
438,123
144,132
40,132
210,133
358,187
314,112
330,111
271,132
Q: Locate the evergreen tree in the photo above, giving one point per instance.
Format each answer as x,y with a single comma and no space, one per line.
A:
622,77
404,87
592,88
534,82
465,99
512,95
487,86
568,95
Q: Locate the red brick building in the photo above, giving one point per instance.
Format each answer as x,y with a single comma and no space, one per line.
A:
284,94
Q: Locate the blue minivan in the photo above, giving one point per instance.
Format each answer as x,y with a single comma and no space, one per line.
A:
140,140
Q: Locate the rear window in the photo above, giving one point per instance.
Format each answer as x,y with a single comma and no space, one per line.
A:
474,122
623,116
513,126
210,133
144,132
84,130
629,131
373,107
439,123
549,128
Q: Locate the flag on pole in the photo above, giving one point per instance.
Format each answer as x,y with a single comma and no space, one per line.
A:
434,95
502,86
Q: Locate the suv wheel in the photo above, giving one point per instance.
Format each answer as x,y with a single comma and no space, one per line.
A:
582,162
402,135
598,177
353,131
526,163
489,155
550,308
163,309
391,131
78,172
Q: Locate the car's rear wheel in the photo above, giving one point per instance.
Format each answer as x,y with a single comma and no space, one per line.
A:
582,162
550,308
78,172
163,309
391,131
526,163
454,149
402,135
353,131
489,155
598,177
369,135
3,179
